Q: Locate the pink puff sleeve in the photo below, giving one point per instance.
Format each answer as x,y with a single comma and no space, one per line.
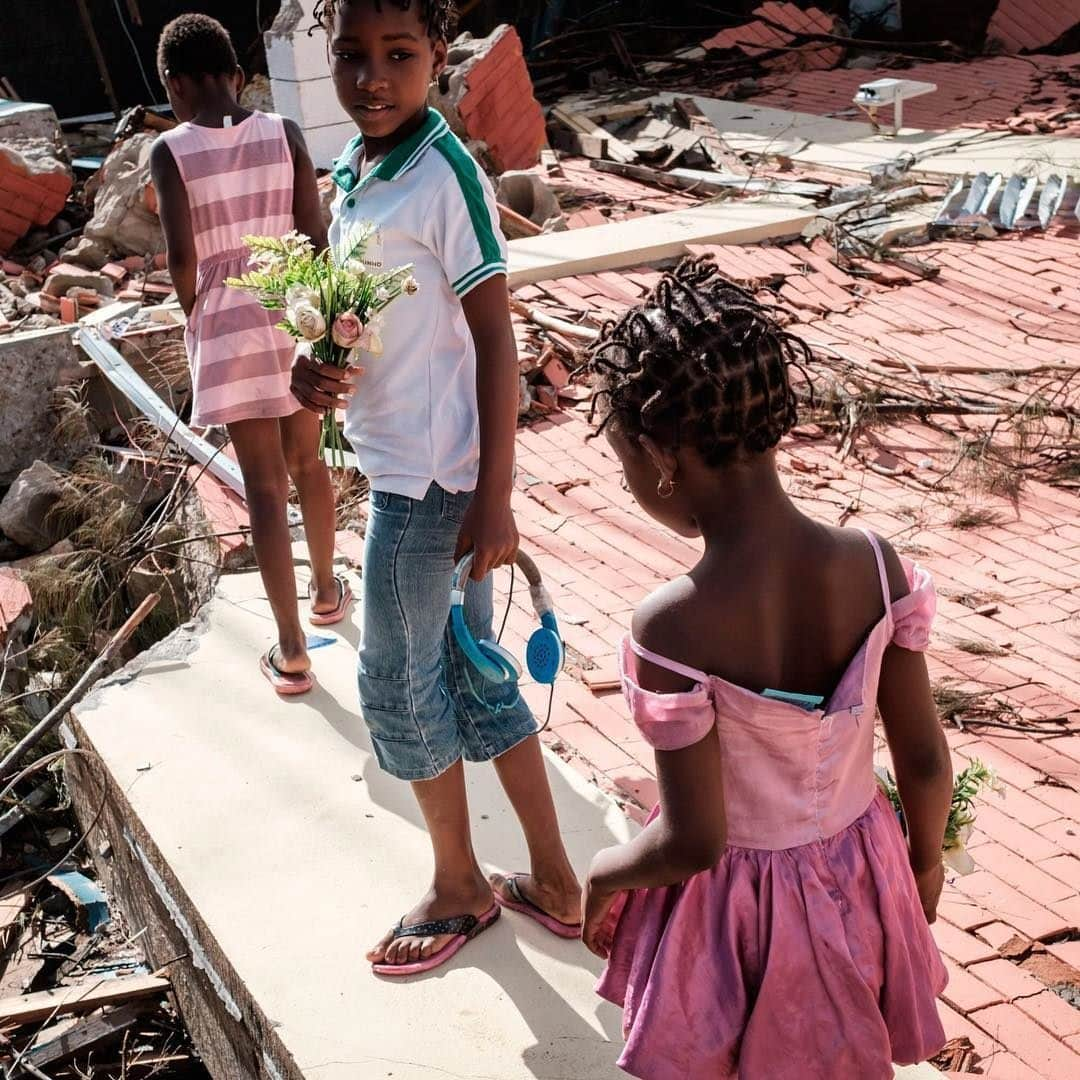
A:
913,614
667,721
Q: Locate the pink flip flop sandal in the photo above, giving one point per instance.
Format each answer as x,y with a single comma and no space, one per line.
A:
464,927
521,903
286,683
328,618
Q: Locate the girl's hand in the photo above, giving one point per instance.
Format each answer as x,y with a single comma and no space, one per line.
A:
490,533
600,910
930,883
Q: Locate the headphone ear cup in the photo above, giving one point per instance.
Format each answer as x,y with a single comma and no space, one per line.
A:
502,658
544,655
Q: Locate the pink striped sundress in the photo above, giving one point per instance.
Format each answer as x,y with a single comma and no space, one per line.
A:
239,182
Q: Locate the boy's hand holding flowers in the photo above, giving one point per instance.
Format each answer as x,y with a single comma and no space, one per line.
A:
332,304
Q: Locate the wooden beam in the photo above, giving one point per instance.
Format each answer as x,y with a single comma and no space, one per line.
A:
70,1036
27,1008
623,244
616,149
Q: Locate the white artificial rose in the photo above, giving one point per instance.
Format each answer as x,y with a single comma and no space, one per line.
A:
410,286
308,321
374,342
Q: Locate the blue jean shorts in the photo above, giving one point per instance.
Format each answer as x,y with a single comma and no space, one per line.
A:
424,703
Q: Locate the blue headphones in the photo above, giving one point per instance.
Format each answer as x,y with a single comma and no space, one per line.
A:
544,654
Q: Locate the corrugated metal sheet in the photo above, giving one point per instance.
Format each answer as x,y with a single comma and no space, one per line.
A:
1015,202
1032,24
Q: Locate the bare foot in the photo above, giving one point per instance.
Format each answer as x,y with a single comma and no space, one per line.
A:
473,899
562,901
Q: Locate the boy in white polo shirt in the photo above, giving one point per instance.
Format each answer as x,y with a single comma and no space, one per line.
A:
433,421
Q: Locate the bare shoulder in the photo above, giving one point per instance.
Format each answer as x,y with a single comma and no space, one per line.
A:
162,163
854,560
294,135
898,580
662,624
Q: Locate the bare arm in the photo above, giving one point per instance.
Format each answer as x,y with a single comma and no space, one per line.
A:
307,209
175,222
919,752
489,530
688,836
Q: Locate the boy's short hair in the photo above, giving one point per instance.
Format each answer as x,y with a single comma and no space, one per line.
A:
195,45
438,16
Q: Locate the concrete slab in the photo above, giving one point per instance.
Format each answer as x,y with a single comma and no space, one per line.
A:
278,833
257,839
853,146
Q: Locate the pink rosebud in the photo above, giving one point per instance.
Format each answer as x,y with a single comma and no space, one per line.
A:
347,330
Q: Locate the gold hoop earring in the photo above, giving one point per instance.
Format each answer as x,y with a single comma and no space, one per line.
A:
666,488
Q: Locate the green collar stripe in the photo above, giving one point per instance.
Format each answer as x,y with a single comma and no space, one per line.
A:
403,157
465,168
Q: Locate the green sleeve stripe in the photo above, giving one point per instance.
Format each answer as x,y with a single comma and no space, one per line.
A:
480,273
472,191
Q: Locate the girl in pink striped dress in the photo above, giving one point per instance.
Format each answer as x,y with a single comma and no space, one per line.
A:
225,173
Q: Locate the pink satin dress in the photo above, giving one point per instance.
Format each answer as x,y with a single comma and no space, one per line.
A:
804,953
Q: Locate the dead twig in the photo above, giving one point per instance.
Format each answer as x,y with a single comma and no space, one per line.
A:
82,684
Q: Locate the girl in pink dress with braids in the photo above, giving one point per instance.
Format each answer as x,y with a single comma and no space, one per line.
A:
771,921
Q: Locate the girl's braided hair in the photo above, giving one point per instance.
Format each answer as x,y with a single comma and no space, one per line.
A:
438,16
699,363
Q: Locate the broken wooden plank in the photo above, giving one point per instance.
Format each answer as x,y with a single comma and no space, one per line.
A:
617,150
578,143
11,909
623,244
73,1035
83,997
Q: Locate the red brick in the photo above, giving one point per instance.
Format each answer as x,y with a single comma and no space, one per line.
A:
960,946
996,933
1010,906
1068,952
1053,1013
1007,978
638,783
594,747
957,1026
1028,1041
1021,874
965,993
1064,867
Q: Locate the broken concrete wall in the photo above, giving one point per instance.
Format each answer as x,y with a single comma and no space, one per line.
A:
125,220
32,366
300,81
486,95
35,179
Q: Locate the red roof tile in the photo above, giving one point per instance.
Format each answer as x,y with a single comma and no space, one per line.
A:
976,93
1031,24
775,29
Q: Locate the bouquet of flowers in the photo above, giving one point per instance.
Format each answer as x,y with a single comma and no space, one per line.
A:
966,787
332,302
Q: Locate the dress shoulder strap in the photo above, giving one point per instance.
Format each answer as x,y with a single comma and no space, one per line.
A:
670,665
883,574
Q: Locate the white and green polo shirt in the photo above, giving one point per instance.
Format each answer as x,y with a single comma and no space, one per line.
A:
414,416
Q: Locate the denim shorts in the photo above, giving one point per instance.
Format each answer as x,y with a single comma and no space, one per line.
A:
424,703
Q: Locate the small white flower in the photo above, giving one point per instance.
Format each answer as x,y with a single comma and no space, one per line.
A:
308,321
410,286
296,243
268,262
302,296
382,294
374,342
